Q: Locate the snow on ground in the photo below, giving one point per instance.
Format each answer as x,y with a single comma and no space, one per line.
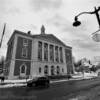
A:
16,83
86,75
11,85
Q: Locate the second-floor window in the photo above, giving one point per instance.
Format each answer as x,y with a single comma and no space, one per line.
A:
25,42
51,48
68,56
45,51
39,50
61,54
56,54
24,51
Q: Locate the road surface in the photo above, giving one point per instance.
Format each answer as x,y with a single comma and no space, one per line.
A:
54,92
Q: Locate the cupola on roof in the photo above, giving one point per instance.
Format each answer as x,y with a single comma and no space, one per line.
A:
42,29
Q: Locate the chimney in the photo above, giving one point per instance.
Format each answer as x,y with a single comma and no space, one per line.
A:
42,30
29,32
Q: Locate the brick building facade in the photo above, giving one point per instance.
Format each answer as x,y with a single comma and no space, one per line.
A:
43,54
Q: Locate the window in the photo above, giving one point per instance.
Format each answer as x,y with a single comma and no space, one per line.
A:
24,51
25,42
45,51
46,70
40,69
51,48
40,51
23,69
52,70
58,70
62,70
61,54
56,54
68,55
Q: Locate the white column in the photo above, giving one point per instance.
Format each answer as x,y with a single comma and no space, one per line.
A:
48,53
32,58
64,60
42,51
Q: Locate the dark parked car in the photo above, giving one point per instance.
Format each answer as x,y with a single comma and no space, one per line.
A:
39,81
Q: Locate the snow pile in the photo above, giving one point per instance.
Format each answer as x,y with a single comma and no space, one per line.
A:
90,75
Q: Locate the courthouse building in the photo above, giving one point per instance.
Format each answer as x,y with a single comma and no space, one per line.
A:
41,54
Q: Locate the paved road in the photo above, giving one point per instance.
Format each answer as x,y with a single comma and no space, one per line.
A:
54,92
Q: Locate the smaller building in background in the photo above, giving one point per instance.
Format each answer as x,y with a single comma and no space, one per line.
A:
96,60
43,54
87,64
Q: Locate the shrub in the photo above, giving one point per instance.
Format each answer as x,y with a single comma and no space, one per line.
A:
68,76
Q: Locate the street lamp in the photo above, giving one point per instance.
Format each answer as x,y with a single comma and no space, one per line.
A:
96,36
77,22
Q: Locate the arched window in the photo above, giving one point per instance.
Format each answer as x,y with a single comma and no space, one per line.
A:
52,70
58,70
46,70
23,69
40,69
62,70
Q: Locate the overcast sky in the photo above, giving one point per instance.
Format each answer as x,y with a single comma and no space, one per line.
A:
57,16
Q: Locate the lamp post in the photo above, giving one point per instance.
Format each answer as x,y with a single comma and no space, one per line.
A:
96,10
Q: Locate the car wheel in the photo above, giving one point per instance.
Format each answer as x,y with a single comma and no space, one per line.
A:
29,85
35,84
47,84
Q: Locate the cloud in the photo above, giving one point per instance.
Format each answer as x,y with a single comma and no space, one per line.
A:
39,5
13,7
3,5
65,26
78,37
86,45
14,10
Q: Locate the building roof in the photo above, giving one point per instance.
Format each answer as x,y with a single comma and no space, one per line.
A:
49,37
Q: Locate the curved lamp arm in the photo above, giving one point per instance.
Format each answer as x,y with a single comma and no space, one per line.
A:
84,13
77,23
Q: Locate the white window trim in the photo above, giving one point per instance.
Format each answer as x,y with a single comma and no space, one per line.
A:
23,74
